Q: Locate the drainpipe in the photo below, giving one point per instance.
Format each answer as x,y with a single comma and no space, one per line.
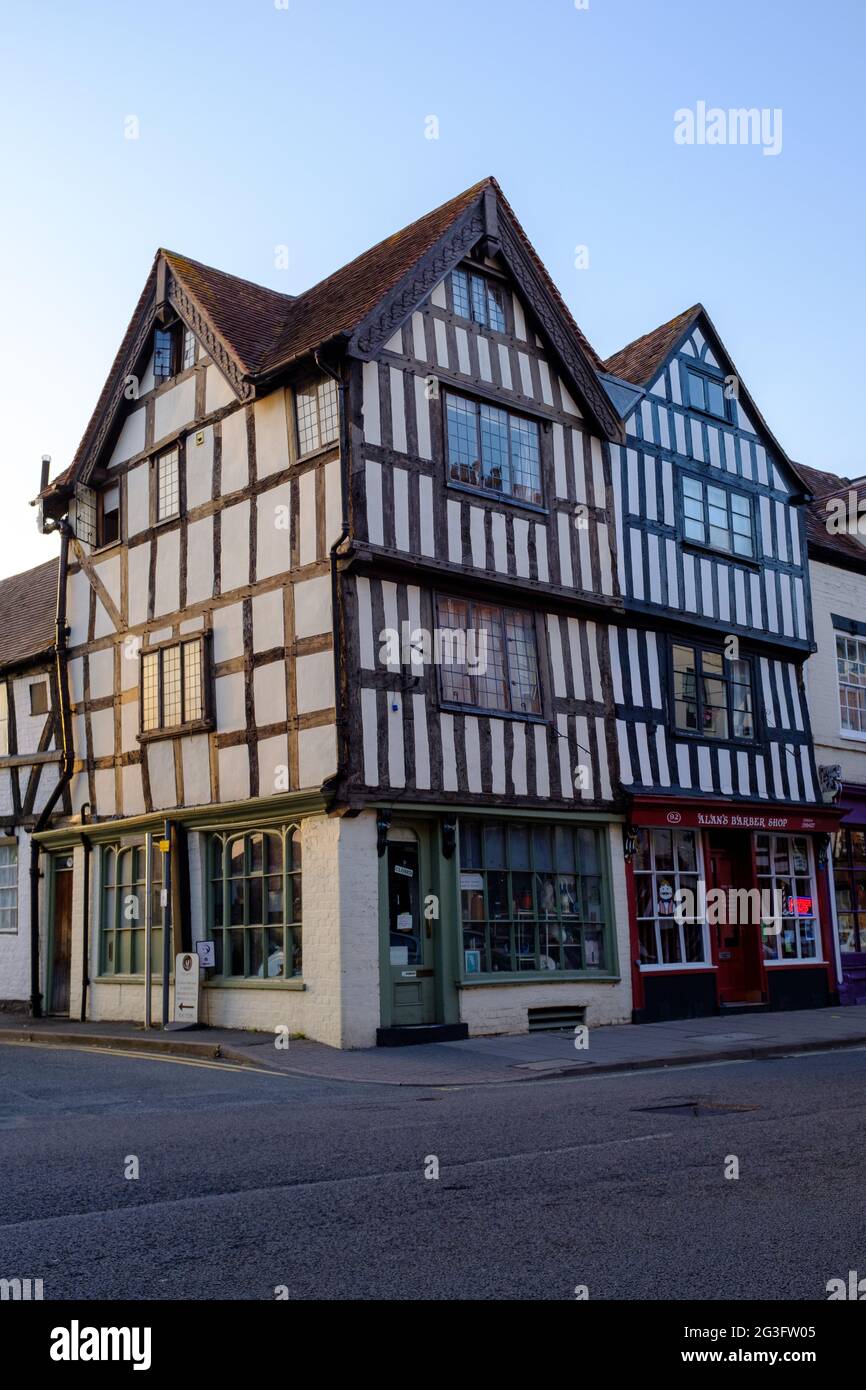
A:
336,609
66,762
85,933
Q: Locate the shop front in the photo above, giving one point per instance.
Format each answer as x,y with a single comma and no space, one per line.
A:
849,875
730,908
499,922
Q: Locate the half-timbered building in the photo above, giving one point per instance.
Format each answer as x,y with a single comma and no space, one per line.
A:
342,570
836,689
713,731
30,768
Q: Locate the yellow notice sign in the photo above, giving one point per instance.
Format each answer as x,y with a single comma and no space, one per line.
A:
164,845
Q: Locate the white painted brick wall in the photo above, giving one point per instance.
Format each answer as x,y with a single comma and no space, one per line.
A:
339,1004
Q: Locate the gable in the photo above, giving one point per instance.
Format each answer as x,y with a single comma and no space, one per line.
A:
739,441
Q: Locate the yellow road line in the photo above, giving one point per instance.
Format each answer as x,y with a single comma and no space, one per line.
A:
144,1056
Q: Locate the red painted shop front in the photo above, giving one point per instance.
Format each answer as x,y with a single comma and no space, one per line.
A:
729,907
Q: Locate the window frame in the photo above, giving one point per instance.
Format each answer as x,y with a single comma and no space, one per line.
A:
488,280
291,927
5,721
676,874
479,490
299,387
10,842
201,723
156,461
848,869
39,685
537,923
136,927
458,706
173,332
768,881
700,733
701,371
705,483
858,735
101,542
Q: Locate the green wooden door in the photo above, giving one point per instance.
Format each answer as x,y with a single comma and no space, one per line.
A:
411,946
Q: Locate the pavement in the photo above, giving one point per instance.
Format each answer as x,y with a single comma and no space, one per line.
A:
476,1061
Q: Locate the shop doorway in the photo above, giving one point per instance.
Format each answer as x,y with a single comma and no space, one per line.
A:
61,937
736,938
411,944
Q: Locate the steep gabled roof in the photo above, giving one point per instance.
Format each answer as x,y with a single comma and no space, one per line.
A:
642,360
255,333
833,547
27,611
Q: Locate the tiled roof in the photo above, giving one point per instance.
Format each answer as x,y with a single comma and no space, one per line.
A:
265,331
639,361
826,486
27,610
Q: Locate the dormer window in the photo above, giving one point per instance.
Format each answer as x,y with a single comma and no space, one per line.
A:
477,298
108,516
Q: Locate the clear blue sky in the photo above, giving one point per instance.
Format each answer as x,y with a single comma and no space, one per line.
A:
305,126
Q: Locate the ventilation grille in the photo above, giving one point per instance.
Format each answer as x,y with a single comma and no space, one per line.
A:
556,1020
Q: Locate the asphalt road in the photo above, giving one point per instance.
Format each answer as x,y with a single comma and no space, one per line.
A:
249,1183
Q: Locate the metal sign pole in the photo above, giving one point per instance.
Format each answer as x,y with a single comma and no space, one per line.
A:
148,925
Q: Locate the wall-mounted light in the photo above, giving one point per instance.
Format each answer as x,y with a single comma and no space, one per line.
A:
383,822
449,837
823,847
631,837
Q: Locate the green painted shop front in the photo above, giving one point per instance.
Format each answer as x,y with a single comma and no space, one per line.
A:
473,900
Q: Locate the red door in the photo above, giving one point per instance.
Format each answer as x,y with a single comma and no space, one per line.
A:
735,942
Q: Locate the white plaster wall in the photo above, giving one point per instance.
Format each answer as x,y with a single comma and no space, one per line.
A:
317,755
199,467
339,1003
199,560
235,547
217,390
15,946
108,570
130,441
273,532
843,592
174,408
272,435
137,499
268,620
313,606
235,468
